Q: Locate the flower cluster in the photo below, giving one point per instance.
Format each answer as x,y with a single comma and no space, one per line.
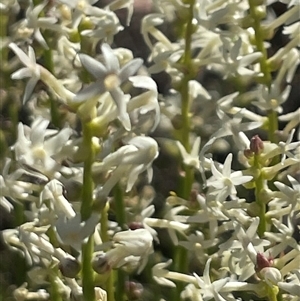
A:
113,190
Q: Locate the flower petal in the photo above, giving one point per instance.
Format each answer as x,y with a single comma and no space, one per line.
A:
97,69
111,61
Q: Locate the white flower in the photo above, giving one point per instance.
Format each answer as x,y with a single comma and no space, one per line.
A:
109,77
244,249
225,181
31,240
162,275
73,231
146,101
11,188
31,70
271,275
272,98
234,126
130,160
37,72
172,222
207,288
34,22
196,157
291,286
130,245
191,159
284,149
288,195
234,63
36,150
22,293
53,193
106,25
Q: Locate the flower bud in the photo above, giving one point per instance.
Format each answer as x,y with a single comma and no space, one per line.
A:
100,263
256,145
262,262
177,122
135,225
271,275
134,290
248,153
69,267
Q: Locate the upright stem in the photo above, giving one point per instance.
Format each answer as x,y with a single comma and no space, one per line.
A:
119,206
264,67
121,219
48,63
86,211
181,254
271,114
109,285
259,186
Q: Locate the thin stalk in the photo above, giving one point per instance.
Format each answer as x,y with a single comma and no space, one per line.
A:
271,114
121,219
119,206
272,293
55,293
264,66
181,254
48,63
86,211
259,186
120,285
109,285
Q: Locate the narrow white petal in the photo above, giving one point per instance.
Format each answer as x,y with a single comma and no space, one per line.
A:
21,54
111,61
227,166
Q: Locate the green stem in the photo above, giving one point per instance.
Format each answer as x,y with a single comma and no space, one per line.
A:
86,211
259,186
119,206
120,285
272,293
48,63
264,66
121,219
181,254
87,270
109,285
55,294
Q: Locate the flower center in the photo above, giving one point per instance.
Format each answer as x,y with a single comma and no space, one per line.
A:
111,82
227,182
39,153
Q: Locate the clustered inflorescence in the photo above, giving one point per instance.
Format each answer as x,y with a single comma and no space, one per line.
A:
85,173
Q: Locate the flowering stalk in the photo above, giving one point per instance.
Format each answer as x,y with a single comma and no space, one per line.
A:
121,219
256,146
264,66
259,186
180,259
55,294
48,62
86,211
272,115
105,238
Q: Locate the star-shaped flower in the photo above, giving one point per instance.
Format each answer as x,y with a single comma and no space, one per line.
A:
210,290
128,161
109,77
224,182
31,70
73,231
